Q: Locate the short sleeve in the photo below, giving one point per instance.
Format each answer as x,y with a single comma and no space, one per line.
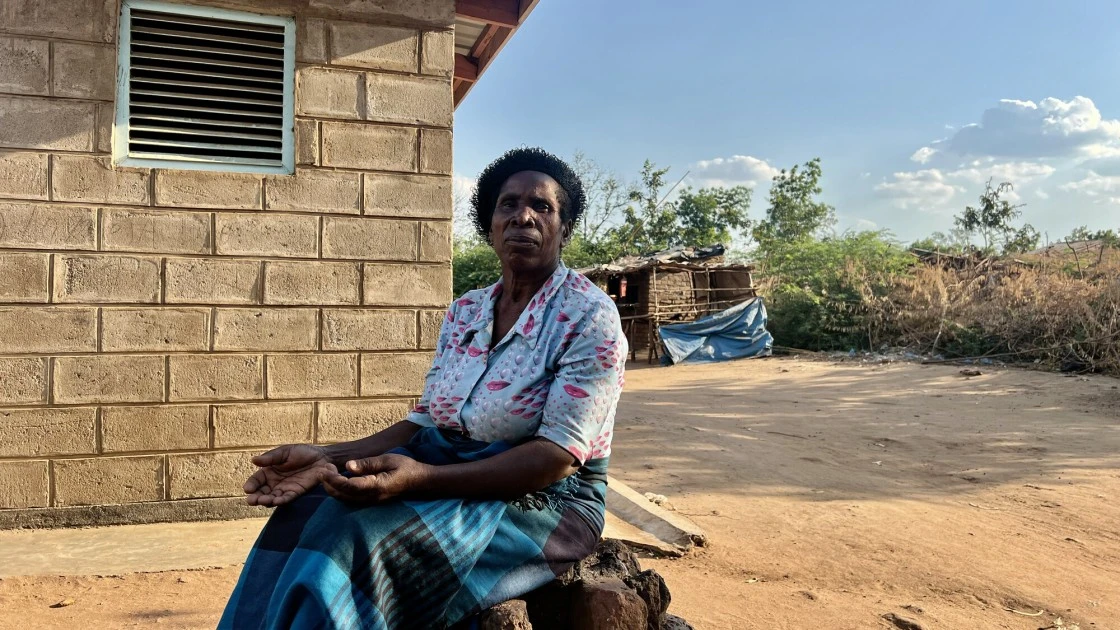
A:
420,414
579,412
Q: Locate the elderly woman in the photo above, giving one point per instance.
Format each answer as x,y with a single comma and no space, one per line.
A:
495,482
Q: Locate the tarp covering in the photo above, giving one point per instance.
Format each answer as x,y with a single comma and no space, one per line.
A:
736,333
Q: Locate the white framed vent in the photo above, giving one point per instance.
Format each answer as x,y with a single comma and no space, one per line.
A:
204,89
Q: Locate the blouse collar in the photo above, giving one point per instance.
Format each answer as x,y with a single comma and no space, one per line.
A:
528,324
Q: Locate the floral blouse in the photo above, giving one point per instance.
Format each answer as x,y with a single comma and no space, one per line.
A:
557,374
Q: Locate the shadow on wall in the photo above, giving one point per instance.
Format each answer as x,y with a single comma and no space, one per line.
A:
902,432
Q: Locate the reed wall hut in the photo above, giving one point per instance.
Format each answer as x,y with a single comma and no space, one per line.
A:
679,285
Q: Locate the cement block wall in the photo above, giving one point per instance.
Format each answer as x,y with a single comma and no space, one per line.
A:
159,326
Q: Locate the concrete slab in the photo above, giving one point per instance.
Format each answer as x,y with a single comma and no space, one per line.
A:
121,549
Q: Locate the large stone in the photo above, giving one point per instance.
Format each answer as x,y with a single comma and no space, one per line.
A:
328,93
437,53
312,375
24,65
158,329
24,484
410,100
93,179
363,238
211,281
270,329
24,380
673,622
48,329
203,475
508,615
311,190
374,46
23,175
24,277
314,283
105,480
353,420
105,279
369,147
407,285
650,586
216,377
154,428
157,231
368,329
84,70
261,234
608,605
43,432
206,189
88,20
42,123
408,196
108,379
47,226
394,374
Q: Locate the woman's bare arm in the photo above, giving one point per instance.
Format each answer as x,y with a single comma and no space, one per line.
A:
377,444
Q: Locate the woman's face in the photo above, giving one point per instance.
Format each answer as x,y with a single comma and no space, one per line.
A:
526,230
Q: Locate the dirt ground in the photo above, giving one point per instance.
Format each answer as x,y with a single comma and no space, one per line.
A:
832,495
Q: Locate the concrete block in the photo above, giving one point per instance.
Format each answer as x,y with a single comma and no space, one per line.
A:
311,40
309,190
369,147
283,235
407,285
48,329
430,324
408,196
24,66
206,189
210,281
435,151
262,424
87,20
369,239
216,377
42,432
328,93
24,277
408,100
344,420
198,475
437,53
108,379
366,329
47,226
671,527
311,283
374,46
155,329
156,428
23,175
44,123
312,375
105,121
435,241
24,484
108,480
85,70
307,142
23,380
432,13
106,279
395,374
156,231
92,179
250,329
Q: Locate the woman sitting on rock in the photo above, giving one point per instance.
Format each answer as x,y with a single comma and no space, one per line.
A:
495,482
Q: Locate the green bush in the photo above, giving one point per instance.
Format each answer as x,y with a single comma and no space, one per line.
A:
821,292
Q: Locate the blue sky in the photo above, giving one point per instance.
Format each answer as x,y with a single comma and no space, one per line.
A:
911,106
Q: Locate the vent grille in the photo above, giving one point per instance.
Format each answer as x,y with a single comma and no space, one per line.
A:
207,90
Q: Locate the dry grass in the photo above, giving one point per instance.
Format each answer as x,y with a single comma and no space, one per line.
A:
1057,314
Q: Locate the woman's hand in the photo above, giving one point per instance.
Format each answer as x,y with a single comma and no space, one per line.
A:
287,472
378,479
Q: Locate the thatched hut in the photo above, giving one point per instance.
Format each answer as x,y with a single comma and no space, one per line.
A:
678,285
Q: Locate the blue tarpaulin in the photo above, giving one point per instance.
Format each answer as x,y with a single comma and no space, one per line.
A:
736,333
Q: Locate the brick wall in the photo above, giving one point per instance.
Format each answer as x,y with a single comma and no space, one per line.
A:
158,326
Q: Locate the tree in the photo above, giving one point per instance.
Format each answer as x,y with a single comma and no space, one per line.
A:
648,222
992,221
1109,237
708,215
955,241
795,213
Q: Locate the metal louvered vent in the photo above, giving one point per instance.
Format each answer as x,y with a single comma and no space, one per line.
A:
204,89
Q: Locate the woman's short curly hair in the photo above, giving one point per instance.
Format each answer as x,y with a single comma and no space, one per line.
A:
485,197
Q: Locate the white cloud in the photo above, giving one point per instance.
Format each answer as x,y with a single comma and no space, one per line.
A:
733,171
927,189
1018,173
1041,194
462,187
923,155
1025,129
1101,188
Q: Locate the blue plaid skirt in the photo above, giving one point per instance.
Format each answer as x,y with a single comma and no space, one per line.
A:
321,563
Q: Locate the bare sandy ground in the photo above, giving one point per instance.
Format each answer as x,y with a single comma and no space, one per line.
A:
833,495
